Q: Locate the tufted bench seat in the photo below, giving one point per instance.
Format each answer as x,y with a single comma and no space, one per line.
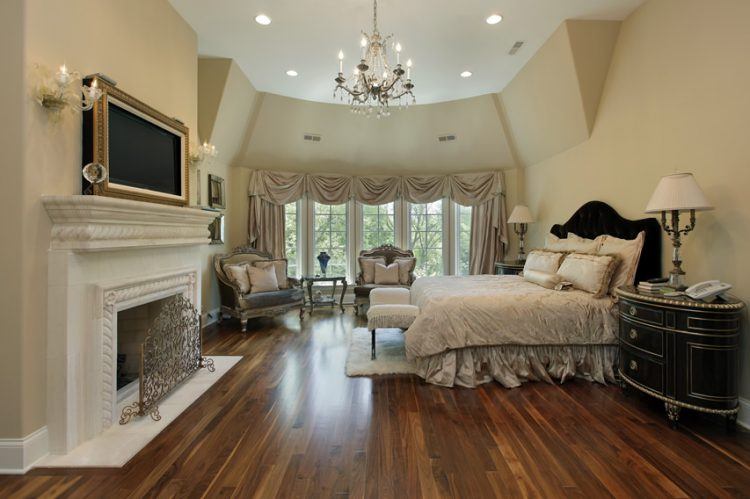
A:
390,308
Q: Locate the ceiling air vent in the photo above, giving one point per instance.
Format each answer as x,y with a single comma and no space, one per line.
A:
446,138
515,47
312,137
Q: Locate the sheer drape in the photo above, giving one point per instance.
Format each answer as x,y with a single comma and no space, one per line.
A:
489,236
270,191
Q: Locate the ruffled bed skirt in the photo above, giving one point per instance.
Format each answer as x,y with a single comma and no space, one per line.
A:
512,365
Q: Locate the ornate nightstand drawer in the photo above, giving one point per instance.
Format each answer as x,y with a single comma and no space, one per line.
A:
643,338
640,369
712,324
643,313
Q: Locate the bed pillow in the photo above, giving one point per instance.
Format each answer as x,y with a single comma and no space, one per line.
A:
628,253
237,274
545,261
405,268
279,267
546,279
262,279
367,264
386,274
571,243
590,273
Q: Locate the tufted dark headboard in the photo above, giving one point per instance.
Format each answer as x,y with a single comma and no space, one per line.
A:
596,218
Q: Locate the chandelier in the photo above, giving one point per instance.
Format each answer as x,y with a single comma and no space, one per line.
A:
374,84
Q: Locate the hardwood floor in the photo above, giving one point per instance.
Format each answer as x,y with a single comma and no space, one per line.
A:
287,422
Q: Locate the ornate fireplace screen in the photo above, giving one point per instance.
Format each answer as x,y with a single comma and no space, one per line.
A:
170,353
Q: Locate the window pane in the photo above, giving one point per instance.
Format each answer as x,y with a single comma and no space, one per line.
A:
378,227
329,235
426,237
463,233
291,236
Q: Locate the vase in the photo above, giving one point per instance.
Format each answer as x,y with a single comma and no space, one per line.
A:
323,259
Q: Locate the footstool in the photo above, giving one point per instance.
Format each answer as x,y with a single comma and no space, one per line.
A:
390,308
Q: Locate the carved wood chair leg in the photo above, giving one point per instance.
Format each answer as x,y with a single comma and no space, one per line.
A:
244,325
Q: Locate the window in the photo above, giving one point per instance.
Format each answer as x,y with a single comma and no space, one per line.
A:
330,235
426,237
378,225
463,238
291,236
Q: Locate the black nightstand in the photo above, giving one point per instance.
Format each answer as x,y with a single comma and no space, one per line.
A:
512,267
684,352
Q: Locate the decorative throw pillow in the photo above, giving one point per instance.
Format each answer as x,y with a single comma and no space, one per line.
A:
405,267
591,273
386,274
367,264
572,243
262,279
238,275
546,279
628,253
279,267
545,261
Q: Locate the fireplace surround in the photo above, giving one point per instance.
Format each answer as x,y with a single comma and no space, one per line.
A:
107,255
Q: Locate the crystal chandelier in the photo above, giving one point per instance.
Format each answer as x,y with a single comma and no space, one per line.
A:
374,84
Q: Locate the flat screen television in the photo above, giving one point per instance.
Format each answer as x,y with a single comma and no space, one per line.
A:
144,152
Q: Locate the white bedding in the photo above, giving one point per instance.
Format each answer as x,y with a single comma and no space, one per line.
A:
478,311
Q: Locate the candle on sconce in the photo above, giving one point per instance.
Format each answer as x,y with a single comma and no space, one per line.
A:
363,43
408,69
63,77
341,61
398,53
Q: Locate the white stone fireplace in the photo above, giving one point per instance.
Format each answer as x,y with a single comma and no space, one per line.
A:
106,256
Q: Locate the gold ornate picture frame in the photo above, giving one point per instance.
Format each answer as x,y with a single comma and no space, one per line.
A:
96,144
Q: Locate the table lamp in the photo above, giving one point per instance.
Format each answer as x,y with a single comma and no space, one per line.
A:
676,193
520,217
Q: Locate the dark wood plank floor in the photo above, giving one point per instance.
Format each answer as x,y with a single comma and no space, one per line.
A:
287,422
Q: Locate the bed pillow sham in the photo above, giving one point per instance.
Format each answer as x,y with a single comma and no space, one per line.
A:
572,243
544,261
590,273
367,264
628,253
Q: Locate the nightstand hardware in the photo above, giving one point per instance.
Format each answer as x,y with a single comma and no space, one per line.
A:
633,311
633,334
633,365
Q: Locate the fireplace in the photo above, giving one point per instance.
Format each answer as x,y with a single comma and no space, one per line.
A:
132,326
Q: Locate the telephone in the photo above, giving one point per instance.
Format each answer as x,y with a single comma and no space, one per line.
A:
707,289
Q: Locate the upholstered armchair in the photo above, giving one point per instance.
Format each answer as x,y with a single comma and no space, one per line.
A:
362,289
246,306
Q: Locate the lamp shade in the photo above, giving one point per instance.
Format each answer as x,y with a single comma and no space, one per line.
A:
678,192
520,215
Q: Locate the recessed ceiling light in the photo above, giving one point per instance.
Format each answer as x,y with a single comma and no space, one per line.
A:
264,20
466,74
291,72
494,19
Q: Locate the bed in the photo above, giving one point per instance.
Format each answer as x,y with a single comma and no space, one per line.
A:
475,329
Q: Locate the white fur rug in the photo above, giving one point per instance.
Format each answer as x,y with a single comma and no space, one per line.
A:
389,348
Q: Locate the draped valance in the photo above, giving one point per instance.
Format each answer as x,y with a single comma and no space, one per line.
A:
468,189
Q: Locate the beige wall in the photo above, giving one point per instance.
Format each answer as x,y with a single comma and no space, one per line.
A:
676,99
144,45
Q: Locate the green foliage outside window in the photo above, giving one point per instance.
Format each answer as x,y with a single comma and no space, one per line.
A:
378,226
464,237
426,237
329,234
291,236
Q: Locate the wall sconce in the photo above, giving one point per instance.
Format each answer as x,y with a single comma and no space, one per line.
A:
205,151
64,89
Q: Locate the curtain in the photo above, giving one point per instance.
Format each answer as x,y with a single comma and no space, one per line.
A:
265,227
269,191
468,189
489,236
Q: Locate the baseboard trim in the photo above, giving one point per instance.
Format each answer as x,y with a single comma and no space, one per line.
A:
743,418
18,455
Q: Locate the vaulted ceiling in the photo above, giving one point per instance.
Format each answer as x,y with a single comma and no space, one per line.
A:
443,37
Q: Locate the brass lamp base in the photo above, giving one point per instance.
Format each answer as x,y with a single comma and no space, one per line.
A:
674,231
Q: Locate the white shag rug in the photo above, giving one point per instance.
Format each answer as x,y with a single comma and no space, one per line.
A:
389,348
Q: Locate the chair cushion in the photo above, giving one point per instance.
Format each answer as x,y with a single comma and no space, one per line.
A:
386,274
363,290
367,264
390,316
273,298
239,276
405,268
279,266
262,279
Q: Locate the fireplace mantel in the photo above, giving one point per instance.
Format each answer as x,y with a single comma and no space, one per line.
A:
97,223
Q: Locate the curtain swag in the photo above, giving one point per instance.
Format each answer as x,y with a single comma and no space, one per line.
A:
468,189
